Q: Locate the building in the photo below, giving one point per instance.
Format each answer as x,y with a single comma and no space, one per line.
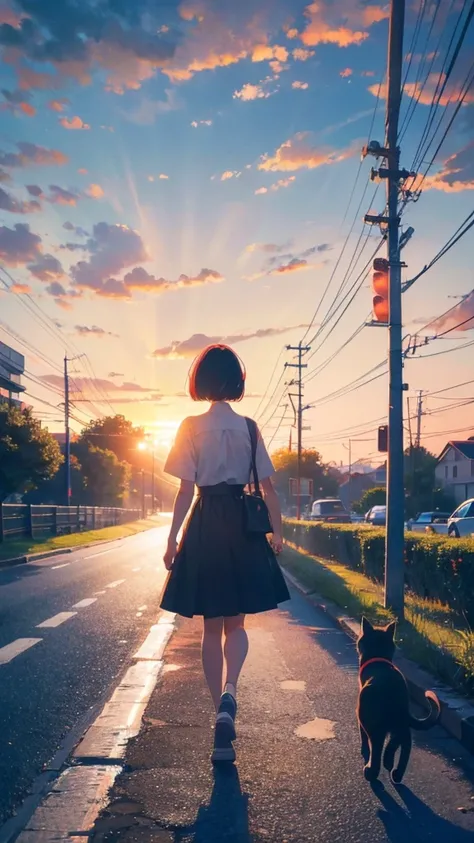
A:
455,469
12,366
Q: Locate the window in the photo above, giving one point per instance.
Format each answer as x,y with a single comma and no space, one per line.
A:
455,471
446,470
424,518
462,511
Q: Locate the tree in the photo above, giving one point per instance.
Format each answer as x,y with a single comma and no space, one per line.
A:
53,491
285,462
117,434
421,490
28,452
106,478
372,497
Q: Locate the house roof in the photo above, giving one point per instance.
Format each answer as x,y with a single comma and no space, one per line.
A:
464,446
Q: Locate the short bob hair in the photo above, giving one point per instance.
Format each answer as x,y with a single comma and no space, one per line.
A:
217,374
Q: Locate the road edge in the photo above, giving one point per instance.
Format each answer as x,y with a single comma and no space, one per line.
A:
457,714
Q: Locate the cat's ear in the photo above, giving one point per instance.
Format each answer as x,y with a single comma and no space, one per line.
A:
390,629
366,626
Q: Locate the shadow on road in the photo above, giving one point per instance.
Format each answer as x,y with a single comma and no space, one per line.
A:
226,815
15,573
418,822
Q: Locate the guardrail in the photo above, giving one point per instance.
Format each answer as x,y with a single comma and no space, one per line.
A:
31,521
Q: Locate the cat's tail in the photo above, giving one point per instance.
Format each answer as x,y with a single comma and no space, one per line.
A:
432,718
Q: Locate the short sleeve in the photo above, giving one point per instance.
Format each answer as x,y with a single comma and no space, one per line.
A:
264,464
181,460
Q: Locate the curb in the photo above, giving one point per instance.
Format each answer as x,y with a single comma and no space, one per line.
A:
457,714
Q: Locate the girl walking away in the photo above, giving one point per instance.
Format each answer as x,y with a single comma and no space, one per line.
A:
224,566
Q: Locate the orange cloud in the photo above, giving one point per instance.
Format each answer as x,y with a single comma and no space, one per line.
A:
346,72
252,92
73,123
456,175
277,185
95,191
21,289
29,79
264,52
424,94
301,86
27,109
58,105
326,26
230,174
299,153
301,54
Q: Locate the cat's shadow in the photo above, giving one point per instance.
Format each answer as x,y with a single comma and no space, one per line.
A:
418,822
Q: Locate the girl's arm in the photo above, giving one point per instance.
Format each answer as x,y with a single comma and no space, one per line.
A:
182,503
273,503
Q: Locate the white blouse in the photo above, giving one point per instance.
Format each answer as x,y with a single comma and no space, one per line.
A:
215,448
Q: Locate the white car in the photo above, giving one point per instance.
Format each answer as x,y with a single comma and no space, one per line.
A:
429,522
461,522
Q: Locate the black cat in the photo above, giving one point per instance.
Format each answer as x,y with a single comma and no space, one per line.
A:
383,705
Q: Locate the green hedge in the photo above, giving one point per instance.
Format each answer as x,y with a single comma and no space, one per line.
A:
435,566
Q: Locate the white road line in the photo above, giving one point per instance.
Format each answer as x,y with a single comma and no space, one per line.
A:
88,601
134,570
11,651
64,565
56,620
101,553
114,584
99,592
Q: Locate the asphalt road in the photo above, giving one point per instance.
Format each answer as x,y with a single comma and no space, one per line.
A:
68,627
298,777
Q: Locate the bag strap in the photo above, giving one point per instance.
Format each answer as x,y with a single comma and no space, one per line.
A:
253,432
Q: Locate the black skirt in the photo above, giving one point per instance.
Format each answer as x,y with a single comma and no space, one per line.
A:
220,570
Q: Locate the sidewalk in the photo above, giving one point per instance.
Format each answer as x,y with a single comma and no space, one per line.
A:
298,778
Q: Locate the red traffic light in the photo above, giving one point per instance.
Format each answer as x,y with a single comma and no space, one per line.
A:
380,285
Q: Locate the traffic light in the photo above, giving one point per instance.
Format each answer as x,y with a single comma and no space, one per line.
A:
382,439
380,285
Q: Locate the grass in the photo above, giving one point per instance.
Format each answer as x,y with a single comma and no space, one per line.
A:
431,634
22,547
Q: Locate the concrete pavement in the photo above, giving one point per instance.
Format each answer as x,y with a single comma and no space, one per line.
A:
68,627
298,778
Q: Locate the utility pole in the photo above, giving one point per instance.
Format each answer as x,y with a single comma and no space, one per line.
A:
419,413
67,432
395,538
299,416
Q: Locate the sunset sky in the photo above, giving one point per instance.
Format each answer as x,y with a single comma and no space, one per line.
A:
174,173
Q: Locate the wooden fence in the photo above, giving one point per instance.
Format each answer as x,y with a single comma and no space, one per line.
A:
25,520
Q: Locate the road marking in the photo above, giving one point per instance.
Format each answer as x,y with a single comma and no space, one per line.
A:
114,584
99,592
88,601
56,620
17,647
134,570
101,553
64,565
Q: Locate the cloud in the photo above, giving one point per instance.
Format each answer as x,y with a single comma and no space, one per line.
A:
47,268
34,190
346,72
179,350
18,245
277,185
18,102
163,176
73,123
148,110
5,178
302,86
300,152
302,54
30,154
230,174
88,386
254,92
115,375
57,105
94,191
265,52
460,313
93,331
140,279
283,264
196,123
368,73
335,23
268,248
32,80
124,40
20,289
60,196
424,92
456,174
17,206
112,248
77,229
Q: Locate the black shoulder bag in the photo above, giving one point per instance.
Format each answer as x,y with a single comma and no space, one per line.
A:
257,518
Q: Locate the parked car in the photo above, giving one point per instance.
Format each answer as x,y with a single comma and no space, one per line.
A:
330,510
356,518
377,516
461,522
429,522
